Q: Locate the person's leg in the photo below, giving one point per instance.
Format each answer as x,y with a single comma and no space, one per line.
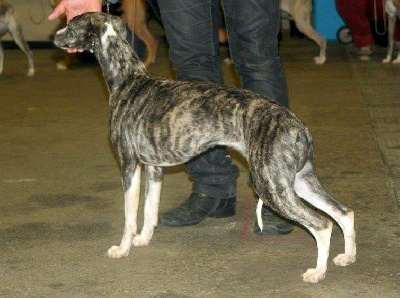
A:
354,14
191,28
253,27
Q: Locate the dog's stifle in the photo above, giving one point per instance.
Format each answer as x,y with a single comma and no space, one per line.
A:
158,122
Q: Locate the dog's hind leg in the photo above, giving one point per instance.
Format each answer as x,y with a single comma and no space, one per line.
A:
131,195
309,188
152,193
277,191
302,18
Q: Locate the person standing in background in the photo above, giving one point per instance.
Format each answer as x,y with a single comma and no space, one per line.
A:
358,16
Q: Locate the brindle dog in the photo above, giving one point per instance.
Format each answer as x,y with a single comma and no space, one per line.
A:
159,122
9,23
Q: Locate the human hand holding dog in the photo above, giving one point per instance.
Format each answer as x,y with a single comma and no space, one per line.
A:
72,8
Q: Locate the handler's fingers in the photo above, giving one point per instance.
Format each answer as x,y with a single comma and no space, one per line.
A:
59,11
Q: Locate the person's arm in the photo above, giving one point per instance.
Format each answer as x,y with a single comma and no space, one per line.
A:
72,8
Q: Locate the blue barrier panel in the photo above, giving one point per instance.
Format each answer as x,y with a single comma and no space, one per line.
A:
326,19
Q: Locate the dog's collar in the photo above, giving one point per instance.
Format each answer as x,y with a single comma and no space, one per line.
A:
108,2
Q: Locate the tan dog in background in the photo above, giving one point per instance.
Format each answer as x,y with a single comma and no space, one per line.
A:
134,14
301,12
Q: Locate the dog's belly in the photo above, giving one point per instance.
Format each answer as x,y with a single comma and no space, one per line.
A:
166,154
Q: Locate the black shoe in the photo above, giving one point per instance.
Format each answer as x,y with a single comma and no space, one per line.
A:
196,208
273,224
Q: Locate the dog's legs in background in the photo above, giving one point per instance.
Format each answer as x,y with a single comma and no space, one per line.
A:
1,58
152,194
309,188
135,17
303,23
16,31
391,25
132,194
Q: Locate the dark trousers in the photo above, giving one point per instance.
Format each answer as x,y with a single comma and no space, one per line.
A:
191,28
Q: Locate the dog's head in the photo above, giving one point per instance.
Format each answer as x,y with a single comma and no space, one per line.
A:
87,30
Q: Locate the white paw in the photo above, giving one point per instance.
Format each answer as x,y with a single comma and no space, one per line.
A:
314,275
396,61
319,60
386,60
140,240
117,252
31,73
344,260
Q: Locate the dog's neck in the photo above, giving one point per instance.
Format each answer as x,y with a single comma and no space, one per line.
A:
117,59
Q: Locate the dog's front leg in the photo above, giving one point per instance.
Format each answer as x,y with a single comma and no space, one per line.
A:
132,193
154,177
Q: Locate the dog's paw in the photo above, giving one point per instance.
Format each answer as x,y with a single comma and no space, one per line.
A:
396,61
344,260
117,252
319,60
314,275
140,240
31,73
386,60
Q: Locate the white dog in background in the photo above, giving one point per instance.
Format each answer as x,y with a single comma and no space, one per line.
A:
392,8
301,12
9,24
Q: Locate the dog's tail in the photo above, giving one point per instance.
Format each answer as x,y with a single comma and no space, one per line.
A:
259,214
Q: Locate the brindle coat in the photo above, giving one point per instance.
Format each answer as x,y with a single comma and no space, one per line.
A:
159,122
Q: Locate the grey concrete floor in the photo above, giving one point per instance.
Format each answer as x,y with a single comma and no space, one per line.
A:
61,204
